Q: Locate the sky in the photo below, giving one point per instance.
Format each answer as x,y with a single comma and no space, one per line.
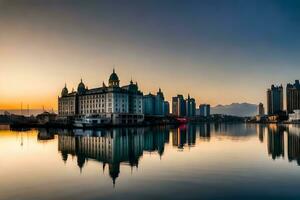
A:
217,51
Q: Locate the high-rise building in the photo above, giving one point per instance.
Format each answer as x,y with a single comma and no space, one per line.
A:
154,104
204,110
293,96
261,109
190,107
178,106
149,104
159,103
166,108
275,99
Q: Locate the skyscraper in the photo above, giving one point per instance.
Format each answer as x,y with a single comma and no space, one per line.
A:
154,104
261,109
204,110
293,96
190,106
275,99
178,106
166,108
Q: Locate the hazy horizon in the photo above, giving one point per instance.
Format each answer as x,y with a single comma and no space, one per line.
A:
219,52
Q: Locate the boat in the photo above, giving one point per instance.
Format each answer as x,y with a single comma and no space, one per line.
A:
91,121
182,120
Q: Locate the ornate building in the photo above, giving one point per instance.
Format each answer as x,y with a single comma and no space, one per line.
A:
106,100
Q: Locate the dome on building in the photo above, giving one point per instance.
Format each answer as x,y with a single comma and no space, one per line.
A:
113,79
81,87
64,91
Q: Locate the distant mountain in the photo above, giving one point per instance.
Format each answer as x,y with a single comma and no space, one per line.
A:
236,109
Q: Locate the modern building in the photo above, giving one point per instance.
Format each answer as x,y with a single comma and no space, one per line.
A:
275,99
190,107
293,96
204,110
159,103
166,108
261,109
178,106
149,104
109,101
154,105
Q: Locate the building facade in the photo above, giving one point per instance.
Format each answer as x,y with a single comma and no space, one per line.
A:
105,100
190,107
293,97
178,106
275,99
183,107
166,108
204,110
154,105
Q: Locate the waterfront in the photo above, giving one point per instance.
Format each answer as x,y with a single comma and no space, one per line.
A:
204,161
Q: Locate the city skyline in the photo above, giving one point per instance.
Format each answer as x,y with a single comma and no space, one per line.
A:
219,53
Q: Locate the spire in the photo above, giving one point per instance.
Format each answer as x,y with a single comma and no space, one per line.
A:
131,82
80,80
65,85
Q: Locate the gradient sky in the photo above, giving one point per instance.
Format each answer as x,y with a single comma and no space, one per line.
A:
218,51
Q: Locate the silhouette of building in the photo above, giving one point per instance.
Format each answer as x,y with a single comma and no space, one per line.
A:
204,110
275,100
190,107
261,109
106,100
166,108
293,96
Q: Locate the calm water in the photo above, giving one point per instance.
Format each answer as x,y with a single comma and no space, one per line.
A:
205,161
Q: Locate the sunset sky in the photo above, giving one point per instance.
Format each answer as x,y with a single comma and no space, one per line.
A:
218,51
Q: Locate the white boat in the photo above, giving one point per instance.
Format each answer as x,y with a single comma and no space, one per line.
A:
91,121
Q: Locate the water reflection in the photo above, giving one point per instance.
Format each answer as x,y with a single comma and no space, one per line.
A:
112,147
126,146
276,136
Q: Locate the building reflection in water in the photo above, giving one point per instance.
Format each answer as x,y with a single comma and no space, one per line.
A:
45,134
261,133
276,141
276,144
294,143
112,147
184,135
204,131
